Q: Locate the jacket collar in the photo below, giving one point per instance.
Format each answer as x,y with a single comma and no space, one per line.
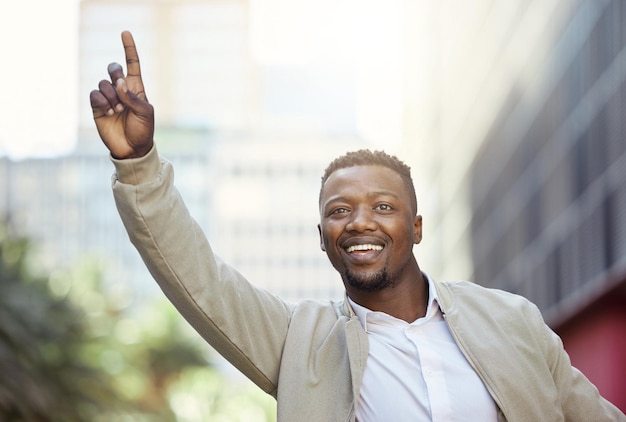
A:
443,296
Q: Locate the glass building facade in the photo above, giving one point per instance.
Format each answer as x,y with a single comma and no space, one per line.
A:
548,190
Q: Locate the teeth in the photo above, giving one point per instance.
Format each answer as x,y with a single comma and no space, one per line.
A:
366,247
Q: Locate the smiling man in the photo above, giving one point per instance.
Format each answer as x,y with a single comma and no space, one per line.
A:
400,347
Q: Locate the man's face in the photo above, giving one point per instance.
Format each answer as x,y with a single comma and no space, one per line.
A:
368,227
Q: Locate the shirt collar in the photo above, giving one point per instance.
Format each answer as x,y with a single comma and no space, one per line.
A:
432,309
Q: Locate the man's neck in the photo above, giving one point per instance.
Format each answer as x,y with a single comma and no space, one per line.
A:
407,301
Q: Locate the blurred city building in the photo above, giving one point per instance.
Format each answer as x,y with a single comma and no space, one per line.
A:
530,167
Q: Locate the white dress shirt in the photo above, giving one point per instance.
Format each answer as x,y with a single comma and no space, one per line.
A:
416,372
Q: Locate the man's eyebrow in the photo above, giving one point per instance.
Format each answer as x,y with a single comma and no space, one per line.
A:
370,195
334,199
382,193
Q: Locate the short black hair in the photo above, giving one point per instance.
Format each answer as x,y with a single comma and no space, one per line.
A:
365,157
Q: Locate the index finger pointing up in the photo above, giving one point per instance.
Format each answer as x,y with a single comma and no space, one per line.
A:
132,58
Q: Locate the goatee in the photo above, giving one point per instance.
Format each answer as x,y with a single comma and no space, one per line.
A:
371,282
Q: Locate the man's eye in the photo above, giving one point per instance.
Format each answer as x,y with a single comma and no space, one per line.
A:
339,211
384,207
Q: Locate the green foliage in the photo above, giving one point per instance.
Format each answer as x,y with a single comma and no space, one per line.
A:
40,341
75,348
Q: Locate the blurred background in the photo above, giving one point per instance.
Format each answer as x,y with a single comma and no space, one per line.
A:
511,115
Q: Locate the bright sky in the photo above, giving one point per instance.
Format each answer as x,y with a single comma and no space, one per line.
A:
38,111
363,36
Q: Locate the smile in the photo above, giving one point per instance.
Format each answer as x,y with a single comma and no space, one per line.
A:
366,247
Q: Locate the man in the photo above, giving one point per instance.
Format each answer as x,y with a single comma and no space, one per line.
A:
400,347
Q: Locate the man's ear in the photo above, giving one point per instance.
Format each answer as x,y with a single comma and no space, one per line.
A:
319,229
417,229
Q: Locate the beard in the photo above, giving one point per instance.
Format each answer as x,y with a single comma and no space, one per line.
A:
369,282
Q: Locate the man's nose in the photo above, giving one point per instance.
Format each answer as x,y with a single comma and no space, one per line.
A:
361,219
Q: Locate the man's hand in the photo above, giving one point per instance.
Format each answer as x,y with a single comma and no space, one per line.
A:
124,117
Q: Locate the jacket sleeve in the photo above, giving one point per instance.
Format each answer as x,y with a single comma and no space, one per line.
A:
247,325
579,398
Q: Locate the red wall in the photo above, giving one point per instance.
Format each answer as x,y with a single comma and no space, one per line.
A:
595,339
